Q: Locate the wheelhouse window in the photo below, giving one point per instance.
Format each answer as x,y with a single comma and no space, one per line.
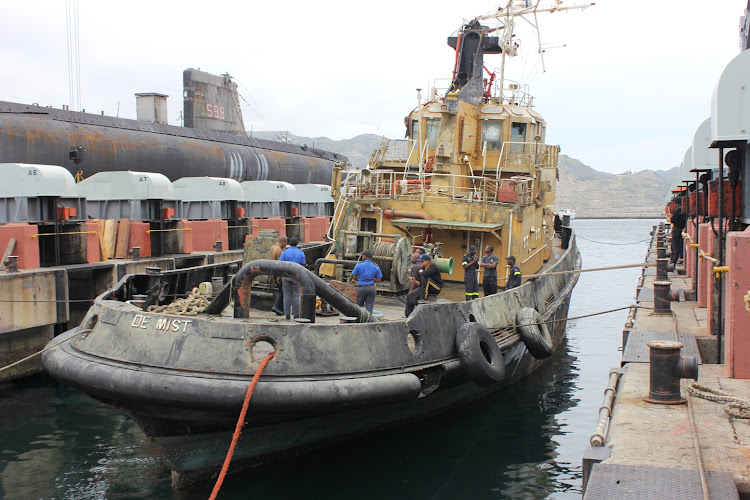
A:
415,130
431,131
517,136
492,134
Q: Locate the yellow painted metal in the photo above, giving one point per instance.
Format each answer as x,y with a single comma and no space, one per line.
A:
502,190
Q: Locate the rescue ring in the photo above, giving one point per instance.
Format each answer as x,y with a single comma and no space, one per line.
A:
479,354
534,333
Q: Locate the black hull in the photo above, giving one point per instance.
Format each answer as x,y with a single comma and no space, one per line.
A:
39,135
190,413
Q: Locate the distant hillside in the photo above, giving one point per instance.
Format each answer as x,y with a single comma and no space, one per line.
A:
358,149
599,194
589,192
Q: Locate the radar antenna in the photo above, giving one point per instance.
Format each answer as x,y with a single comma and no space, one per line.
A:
526,10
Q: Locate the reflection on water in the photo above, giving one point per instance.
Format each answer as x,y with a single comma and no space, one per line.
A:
525,442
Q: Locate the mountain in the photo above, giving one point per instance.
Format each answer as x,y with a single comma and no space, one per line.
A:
599,194
358,149
591,193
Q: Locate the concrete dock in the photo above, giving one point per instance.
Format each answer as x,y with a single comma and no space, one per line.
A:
692,449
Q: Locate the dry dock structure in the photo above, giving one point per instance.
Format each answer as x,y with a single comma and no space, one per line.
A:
674,418
64,243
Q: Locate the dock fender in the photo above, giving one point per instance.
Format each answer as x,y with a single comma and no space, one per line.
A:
534,333
479,354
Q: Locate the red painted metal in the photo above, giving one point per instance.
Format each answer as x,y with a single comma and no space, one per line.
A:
713,199
737,319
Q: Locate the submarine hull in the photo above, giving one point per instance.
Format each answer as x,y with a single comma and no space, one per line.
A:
39,135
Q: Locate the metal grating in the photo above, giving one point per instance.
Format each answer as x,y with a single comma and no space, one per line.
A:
636,350
634,482
646,294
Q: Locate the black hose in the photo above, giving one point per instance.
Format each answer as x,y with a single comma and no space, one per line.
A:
311,286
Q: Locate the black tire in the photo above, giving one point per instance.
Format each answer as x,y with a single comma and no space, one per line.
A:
534,333
480,356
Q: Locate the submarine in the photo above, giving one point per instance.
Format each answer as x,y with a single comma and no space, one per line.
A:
212,142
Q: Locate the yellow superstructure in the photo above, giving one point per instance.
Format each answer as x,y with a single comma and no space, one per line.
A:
473,170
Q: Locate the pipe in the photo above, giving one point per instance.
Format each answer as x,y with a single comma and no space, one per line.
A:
323,260
310,286
599,435
392,214
720,283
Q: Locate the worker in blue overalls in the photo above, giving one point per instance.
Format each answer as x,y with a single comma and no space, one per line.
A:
367,273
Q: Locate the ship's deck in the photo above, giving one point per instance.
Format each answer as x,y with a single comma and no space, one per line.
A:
389,308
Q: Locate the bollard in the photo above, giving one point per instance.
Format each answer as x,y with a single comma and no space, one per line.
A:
662,266
139,300
154,281
662,297
217,283
667,367
11,263
661,252
566,234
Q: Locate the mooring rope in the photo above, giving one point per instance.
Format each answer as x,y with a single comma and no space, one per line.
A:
239,426
607,268
578,236
693,427
79,332
736,406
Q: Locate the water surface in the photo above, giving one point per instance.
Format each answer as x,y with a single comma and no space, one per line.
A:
524,442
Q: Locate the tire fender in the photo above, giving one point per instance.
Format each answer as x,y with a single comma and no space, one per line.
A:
534,333
480,355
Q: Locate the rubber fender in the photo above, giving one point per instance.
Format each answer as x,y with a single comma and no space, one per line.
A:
479,354
534,333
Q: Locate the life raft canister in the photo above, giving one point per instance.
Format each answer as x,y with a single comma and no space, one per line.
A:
534,333
479,354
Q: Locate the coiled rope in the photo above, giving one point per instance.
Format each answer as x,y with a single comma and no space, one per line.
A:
240,425
192,305
736,406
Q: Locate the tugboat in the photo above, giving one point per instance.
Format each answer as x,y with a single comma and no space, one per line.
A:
474,171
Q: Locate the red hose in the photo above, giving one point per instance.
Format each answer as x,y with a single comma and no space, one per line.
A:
238,428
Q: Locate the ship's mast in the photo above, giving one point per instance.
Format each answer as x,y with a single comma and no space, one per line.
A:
526,10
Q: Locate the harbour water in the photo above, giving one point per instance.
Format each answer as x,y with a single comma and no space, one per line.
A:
524,442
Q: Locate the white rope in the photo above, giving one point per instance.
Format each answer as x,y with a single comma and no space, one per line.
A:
736,406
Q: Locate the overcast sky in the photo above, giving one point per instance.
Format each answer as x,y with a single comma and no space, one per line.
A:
626,92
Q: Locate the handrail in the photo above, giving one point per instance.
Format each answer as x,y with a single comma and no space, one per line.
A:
703,255
605,410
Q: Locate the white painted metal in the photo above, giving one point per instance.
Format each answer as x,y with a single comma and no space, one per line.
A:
730,103
127,185
312,193
703,155
258,191
208,189
687,164
30,180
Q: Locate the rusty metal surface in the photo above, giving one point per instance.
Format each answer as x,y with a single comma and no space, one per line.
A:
33,134
625,482
637,351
